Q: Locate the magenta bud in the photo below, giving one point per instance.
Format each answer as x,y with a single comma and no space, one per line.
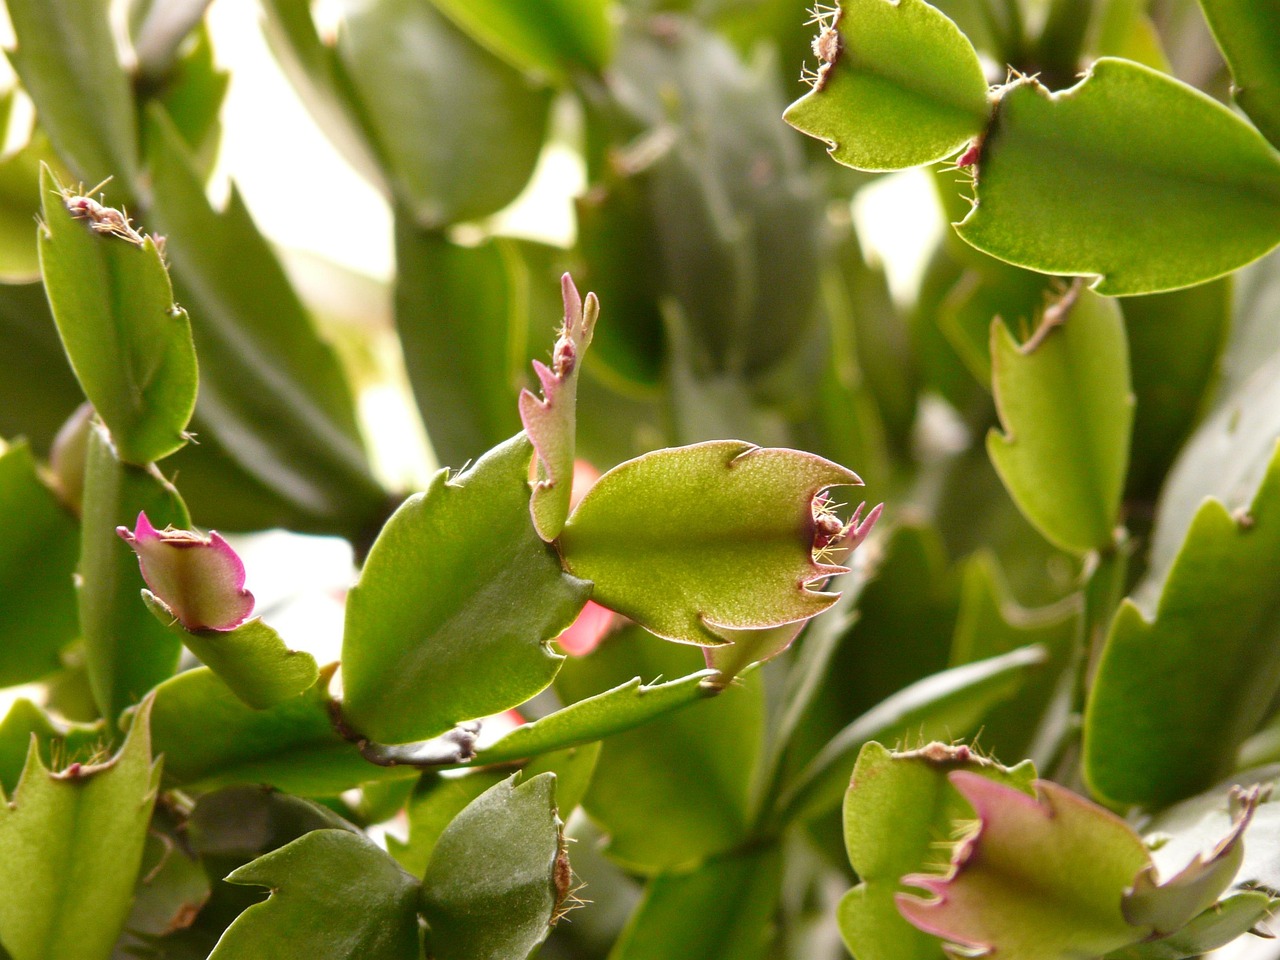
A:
197,576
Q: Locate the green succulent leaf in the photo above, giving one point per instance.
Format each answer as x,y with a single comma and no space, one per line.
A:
725,908
38,390
211,738
66,59
127,651
1211,643
898,85
334,894
555,39
38,550
1249,35
129,343
498,874
1129,176
717,534
455,606
1066,406
897,807
252,659
72,842
1226,920
74,742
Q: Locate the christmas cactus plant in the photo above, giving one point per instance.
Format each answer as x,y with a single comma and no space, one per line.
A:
638,673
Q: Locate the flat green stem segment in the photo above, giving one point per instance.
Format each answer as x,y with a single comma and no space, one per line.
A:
1248,31
951,704
898,807
1176,695
552,39
630,705
1066,406
39,543
899,85
498,873
716,534
211,738
334,894
129,344
455,606
1130,176
72,844
252,659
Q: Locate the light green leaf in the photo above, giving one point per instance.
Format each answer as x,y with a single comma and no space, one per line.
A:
211,738
39,543
66,59
72,843
1222,923
725,908
498,874
455,606
1066,408
434,105
1129,176
949,704
73,742
1248,31
898,85
129,343
717,534
630,705
19,194
691,799
252,659
334,894
1211,643
555,38
898,807
126,651
157,29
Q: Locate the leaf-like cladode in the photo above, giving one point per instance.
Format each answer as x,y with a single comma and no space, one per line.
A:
725,908
251,658
897,808
1066,407
498,873
77,742
38,547
1249,34
717,534
334,894
128,342
554,38
1130,176
127,652
1212,645
455,606
66,59
898,86
211,738
72,844
551,422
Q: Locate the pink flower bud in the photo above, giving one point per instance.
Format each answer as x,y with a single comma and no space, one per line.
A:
198,577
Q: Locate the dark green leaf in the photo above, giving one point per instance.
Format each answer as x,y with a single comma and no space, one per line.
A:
1067,409
39,543
126,650
38,391
455,606
192,94
1129,176
1211,643
1248,31
158,28
66,59
713,535
334,894
897,85
498,873
725,908
129,343
252,659
20,193
72,843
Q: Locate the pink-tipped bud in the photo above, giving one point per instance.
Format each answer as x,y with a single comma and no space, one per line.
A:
197,576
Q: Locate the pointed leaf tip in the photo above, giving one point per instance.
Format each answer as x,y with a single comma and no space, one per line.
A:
197,576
